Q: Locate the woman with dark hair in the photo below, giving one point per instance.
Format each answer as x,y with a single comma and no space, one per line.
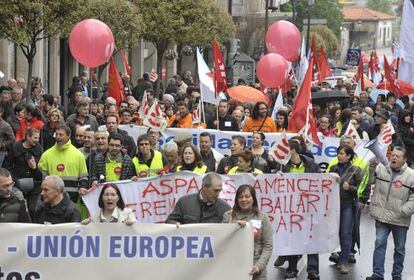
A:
343,119
245,164
53,119
18,116
191,160
32,118
281,121
263,160
349,180
406,131
246,210
112,208
260,121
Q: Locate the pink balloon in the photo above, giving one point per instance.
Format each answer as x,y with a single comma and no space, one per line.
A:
283,38
91,42
272,70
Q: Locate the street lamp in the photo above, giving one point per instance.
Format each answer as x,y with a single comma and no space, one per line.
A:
310,4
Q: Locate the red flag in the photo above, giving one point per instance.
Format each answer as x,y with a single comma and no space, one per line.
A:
374,63
323,66
302,113
314,65
388,72
359,76
115,83
127,68
300,108
220,83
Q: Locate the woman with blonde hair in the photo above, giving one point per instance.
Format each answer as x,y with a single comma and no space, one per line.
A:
53,119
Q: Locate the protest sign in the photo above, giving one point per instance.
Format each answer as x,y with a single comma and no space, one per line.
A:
222,141
303,208
118,251
353,56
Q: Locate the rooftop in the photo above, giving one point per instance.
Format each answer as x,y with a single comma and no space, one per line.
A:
364,14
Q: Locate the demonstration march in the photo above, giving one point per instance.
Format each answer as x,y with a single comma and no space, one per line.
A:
161,146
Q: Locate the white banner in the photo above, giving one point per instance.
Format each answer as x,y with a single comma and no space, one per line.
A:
222,141
117,251
303,208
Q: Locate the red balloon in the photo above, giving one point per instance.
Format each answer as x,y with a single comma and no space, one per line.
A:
272,70
283,38
91,42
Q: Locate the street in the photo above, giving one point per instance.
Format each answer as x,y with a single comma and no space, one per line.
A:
363,267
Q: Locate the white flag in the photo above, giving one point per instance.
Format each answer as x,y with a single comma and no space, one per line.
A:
304,62
281,149
385,136
278,104
206,81
351,130
358,89
154,117
406,43
144,108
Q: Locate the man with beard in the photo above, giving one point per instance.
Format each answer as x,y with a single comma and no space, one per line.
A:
260,121
114,164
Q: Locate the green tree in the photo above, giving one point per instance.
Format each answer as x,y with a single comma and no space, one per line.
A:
322,9
26,22
122,17
192,22
383,6
330,41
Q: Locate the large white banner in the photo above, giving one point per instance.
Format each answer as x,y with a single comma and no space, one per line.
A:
222,141
117,251
303,208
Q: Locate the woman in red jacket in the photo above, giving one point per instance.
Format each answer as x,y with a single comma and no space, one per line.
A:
32,118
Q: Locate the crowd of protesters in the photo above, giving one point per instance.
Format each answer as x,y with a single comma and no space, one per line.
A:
55,153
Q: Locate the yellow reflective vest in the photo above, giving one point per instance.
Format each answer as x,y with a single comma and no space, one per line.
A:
65,161
235,170
199,170
156,166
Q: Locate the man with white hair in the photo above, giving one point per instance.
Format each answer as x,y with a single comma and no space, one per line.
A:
171,155
56,206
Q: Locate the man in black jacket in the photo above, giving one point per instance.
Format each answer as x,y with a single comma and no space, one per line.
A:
129,146
56,206
12,207
225,122
201,207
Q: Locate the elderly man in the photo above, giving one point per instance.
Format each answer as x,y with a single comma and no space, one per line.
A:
56,206
12,207
171,156
202,207
392,205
